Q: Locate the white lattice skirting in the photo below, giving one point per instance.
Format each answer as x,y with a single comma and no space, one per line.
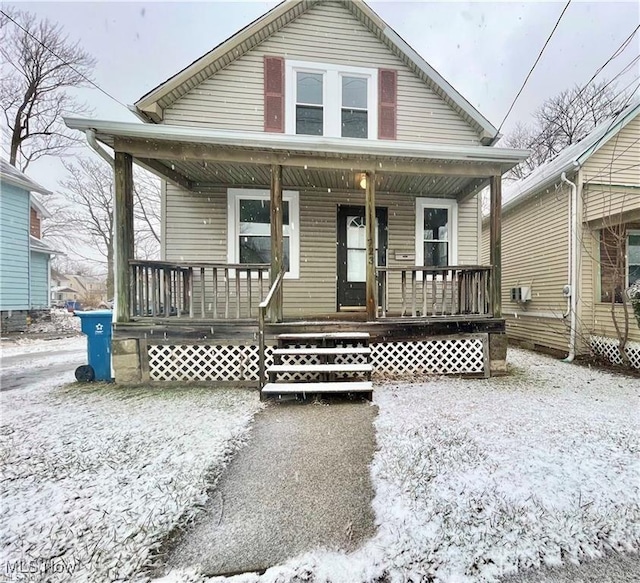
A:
608,348
197,362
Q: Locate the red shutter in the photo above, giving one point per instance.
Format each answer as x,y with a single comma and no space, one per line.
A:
387,103
274,94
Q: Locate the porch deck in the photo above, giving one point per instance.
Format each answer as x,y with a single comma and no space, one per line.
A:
174,330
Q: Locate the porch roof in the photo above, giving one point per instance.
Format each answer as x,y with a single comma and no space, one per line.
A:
195,158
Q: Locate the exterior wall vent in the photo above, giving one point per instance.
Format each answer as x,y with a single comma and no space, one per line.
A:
521,294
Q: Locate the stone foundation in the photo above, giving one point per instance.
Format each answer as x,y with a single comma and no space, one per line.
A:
126,361
498,354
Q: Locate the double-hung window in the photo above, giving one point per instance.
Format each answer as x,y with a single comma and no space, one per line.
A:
633,256
436,232
309,103
354,113
331,100
249,228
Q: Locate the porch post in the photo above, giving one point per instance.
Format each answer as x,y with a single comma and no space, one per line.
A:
495,245
277,244
123,211
370,220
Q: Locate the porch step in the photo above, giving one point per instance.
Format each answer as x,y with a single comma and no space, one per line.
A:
326,376
329,387
323,351
320,368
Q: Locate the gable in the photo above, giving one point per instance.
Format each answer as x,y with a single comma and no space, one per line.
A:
618,160
233,98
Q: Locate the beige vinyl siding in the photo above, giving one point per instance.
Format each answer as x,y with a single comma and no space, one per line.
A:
535,254
617,161
196,230
328,33
605,203
603,321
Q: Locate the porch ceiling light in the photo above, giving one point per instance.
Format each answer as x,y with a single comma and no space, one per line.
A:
362,180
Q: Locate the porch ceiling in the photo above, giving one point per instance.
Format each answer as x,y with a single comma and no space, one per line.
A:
196,159
209,174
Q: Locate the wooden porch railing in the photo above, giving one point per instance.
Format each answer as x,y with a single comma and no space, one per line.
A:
435,291
263,311
212,291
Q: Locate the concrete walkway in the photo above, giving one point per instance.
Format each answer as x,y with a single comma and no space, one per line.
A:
301,483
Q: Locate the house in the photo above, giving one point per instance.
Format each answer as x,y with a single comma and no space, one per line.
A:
571,246
91,290
320,211
24,257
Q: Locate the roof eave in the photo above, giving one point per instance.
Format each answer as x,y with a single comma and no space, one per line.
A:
344,146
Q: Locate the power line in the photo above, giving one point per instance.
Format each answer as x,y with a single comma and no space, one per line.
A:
533,66
616,53
87,79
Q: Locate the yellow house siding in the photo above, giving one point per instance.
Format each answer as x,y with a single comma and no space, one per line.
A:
328,33
196,230
604,201
617,161
535,254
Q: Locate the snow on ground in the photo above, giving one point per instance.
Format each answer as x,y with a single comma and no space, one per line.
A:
62,323
94,477
479,478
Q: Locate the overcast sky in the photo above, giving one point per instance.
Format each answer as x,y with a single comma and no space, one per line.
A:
483,49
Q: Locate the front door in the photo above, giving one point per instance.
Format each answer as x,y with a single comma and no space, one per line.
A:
352,254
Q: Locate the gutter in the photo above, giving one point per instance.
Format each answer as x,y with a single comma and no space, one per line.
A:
286,143
573,265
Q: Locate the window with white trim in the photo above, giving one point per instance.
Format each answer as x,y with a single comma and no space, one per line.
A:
436,232
633,256
249,228
331,100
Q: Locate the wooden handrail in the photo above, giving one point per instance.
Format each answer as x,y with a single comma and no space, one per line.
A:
262,314
166,289
438,291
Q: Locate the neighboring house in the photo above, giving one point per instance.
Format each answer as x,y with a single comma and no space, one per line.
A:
91,290
61,294
537,245
24,258
314,141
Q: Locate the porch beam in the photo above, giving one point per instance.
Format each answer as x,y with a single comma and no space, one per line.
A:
162,150
171,176
277,243
123,203
471,190
370,225
495,245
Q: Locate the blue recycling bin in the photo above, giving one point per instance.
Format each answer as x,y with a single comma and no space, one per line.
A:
97,326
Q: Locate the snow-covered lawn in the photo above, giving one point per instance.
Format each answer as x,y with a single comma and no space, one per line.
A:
478,478
93,478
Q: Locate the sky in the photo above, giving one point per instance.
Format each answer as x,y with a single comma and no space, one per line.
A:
483,49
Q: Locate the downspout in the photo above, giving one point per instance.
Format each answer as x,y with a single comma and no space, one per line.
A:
91,140
573,262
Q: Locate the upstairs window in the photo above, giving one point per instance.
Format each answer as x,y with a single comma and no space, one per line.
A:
354,107
309,103
331,100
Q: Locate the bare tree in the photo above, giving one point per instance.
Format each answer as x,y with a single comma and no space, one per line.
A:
84,216
563,120
39,65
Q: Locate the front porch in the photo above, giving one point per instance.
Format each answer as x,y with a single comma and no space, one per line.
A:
391,280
